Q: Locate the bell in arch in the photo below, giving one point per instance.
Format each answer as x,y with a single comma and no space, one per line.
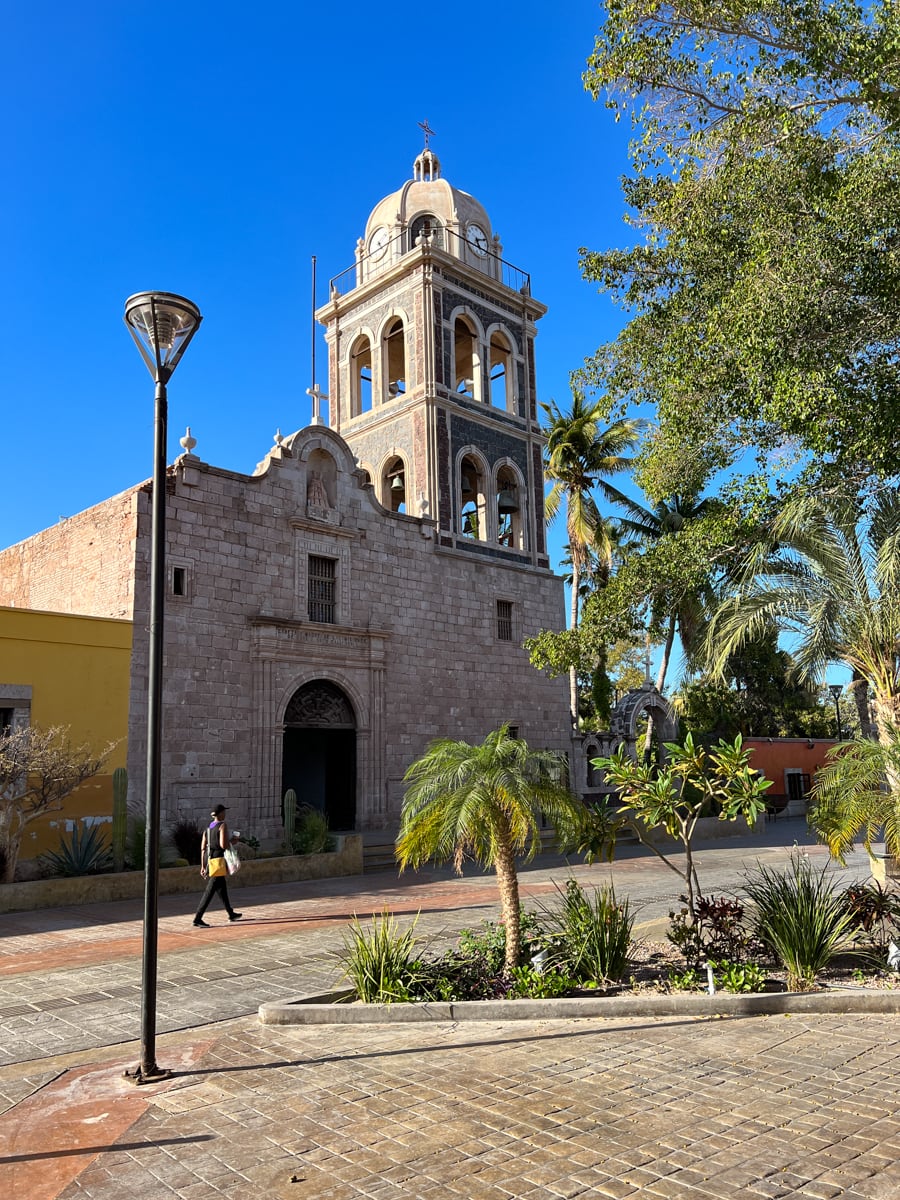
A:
506,500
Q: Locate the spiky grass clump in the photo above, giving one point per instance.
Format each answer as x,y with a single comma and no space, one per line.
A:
593,933
379,959
801,916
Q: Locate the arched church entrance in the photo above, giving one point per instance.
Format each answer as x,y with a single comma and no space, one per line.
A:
319,754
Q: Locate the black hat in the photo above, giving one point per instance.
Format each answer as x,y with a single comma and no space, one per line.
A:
220,808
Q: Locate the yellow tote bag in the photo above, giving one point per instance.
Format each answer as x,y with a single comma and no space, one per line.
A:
217,867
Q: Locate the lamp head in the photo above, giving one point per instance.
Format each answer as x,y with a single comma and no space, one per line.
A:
162,324
836,689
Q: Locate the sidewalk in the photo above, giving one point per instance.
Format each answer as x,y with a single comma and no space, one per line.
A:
671,1107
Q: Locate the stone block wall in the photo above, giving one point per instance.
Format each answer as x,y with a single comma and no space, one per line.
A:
85,564
414,646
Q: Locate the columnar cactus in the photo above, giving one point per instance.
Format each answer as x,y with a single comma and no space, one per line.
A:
290,817
119,817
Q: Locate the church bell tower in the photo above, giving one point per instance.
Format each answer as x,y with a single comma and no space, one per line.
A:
431,370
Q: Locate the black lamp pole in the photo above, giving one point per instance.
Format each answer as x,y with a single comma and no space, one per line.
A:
162,325
836,689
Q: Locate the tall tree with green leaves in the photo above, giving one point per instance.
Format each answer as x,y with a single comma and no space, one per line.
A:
677,605
580,455
757,694
764,277
486,802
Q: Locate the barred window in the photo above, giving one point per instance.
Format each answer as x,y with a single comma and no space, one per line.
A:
505,620
321,589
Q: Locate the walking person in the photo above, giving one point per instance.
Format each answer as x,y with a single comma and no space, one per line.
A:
216,840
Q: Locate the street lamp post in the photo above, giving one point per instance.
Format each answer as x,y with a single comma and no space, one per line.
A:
162,325
836,689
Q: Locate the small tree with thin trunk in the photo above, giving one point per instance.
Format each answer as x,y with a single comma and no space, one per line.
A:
486,802
38,769
674,795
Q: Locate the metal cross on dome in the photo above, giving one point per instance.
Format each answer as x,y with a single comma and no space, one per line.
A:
427,130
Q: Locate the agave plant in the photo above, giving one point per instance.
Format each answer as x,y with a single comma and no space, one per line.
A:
85,853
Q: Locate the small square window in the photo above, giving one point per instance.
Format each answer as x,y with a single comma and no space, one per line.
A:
322,589
505,620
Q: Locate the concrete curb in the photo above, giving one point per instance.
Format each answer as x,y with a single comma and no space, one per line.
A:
334,1008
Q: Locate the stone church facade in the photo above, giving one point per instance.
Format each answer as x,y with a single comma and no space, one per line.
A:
368,587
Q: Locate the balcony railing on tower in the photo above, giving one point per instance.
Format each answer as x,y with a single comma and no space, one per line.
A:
450,246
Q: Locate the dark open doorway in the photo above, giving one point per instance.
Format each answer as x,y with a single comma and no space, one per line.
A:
319,752
320,765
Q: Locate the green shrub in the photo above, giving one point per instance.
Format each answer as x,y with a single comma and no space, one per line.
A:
83,853
739,977
475,969
378,960
800,916
686,981
590,934
529,984
311,832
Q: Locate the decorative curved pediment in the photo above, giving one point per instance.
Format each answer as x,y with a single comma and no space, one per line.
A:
319,705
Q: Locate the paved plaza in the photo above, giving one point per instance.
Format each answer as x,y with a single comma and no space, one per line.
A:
775,1106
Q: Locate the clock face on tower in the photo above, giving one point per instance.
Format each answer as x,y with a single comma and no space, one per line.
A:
378,242
477,239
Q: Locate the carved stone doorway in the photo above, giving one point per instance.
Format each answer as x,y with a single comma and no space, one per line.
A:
319,753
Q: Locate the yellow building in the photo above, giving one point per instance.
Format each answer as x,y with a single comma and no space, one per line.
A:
60,669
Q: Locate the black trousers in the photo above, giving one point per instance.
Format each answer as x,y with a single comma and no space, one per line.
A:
215,884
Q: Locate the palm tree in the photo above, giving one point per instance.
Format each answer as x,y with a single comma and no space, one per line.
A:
682,610
485,801
830,574
580,454
857,793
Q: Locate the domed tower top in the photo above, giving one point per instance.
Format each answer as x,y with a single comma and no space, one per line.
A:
428,210
431,371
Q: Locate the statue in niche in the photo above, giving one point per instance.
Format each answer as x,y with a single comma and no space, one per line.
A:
316,495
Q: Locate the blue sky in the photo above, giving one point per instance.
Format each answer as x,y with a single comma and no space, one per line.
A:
212,154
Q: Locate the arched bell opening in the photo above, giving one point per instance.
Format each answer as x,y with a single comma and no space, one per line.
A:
510,525
394,359
361,376
466,360
428,225
394,485
501,373
472,506
319,752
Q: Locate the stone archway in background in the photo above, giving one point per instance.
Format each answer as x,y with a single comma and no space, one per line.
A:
319,752
633,705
